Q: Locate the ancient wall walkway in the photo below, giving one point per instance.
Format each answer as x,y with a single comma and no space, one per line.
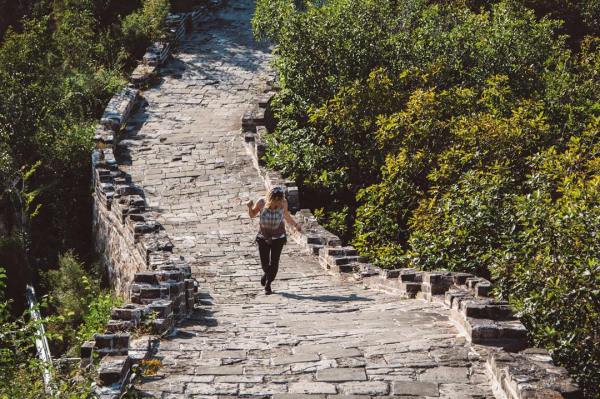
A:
316,335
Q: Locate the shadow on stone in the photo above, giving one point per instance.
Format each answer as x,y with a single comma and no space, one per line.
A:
325,298
230,46
203,314
129,138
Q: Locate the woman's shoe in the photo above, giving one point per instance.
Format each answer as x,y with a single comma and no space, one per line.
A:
268,290
263,280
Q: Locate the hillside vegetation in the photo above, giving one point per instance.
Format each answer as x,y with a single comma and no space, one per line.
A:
60,62
456,135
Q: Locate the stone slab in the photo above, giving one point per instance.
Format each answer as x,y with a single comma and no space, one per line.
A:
415,388
341,374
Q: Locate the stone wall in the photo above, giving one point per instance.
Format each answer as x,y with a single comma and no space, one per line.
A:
131,243
114,199
254,129
495,332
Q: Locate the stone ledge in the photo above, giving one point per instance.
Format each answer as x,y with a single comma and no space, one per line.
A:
157,54
531,374
118,109
143,74
254,131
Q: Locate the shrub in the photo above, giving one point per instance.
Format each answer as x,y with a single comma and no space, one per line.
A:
58,68
20,370
98,313
145,26
551,270
83,308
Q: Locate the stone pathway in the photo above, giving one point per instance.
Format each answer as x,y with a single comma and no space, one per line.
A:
317,336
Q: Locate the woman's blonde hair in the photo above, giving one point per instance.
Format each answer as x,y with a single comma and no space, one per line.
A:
277,193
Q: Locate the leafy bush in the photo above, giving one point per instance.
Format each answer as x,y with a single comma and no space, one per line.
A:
145,26
51,91
551,270
59,67
457,135
82,307
20,370
97,315
335,221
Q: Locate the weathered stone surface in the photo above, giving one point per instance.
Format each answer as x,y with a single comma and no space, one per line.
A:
531,374
223,370
307,387
445,374
157,54
341,374
300,358
143,74
415,388
373,388
118,108
113,369
211,389
339,353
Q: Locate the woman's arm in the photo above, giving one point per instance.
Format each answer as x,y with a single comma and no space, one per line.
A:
254,209
288,218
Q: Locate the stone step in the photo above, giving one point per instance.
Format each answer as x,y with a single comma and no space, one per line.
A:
510,335
111,343
113,369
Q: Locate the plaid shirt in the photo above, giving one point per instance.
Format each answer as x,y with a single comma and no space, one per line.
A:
271,223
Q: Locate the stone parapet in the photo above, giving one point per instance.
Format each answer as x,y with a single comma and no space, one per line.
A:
531,374
313,236
254,131
157,54
143,74
483,320
132,244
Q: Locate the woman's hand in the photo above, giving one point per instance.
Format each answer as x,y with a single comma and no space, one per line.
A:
254,208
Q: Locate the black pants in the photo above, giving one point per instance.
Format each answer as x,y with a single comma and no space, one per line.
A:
269,255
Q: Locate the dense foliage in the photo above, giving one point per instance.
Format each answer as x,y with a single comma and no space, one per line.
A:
58,68
454,135
20,371
60,62
81,306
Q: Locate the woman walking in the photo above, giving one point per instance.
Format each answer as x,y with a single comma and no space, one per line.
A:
271,236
